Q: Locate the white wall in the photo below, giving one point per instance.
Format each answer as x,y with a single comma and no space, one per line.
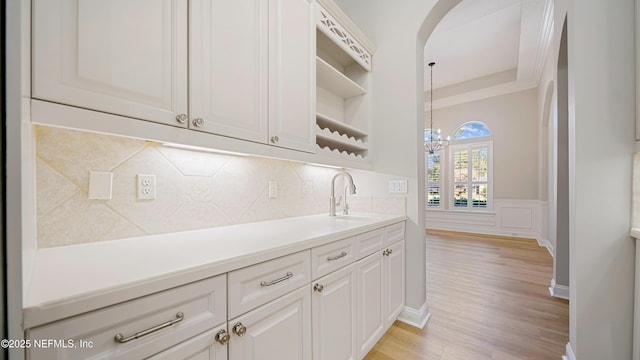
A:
20,216
399,31
601,106
517,209
513,120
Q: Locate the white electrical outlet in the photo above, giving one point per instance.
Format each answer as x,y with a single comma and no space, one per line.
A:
146,187
397,186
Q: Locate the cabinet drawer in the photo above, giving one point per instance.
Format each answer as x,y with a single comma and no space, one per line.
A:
202,305
203,347
394,233
332,256
370,242
255,285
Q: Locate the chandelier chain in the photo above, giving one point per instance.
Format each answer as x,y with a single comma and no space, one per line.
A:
430,145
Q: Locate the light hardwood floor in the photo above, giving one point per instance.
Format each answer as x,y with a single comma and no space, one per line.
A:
488,298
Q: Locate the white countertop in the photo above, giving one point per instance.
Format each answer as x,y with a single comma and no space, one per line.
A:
635,233
71,280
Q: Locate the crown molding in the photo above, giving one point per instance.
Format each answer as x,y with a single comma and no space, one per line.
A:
502,89
544,40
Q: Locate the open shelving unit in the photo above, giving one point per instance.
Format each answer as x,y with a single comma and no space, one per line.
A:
342,86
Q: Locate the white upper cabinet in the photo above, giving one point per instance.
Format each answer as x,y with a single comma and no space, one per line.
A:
292,74
228,68
244,69
343,106
252,70
119,56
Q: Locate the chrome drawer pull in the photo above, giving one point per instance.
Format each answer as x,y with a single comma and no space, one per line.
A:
119,338
273,282
332,258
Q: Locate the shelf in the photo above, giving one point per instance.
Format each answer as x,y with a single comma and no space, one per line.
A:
339,154
344,34
326,122
330,79
337,141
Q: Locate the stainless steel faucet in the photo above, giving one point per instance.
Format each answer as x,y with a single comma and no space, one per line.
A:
332,200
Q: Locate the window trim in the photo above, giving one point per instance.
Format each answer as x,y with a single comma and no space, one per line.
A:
440,182
476,138
469,146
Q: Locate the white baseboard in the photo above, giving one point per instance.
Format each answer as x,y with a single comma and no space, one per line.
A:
559,291
416,318
569,353
547,244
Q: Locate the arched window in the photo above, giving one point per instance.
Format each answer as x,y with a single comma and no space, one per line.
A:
470,162
471,130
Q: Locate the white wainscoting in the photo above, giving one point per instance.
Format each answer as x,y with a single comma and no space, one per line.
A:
510,217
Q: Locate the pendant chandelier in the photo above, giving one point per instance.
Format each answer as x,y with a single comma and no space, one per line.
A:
434,142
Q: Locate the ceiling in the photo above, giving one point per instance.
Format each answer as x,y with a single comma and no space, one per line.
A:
488,48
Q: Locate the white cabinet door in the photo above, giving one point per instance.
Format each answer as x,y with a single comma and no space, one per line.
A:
292,74
279,330
370,313
201,347
125,57
228,68
393,282
334,315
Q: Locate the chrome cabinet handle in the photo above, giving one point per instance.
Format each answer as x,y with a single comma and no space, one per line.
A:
332,258
239,329
318,287
386,252
222,337
198,122
289,275
119,338
182,118
275,139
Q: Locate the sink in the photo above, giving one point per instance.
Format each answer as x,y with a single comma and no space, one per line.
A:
356,217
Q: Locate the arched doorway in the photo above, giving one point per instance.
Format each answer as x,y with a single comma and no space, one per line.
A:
560,282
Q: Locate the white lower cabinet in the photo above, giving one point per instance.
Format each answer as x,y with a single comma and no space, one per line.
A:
370,284
201,347
333,308
270,310
279,330
138,328
393,282
380,293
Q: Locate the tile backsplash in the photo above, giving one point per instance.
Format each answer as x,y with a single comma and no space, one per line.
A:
194,189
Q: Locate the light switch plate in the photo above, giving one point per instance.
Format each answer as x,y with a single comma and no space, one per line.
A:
100,185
